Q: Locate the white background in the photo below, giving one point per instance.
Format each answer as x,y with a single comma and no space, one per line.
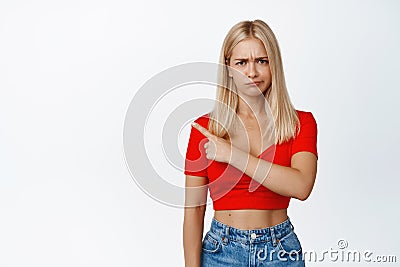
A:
68,71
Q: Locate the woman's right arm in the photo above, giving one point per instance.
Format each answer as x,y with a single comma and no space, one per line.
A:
193,223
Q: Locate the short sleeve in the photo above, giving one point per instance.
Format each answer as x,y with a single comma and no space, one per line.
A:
196,162
306,140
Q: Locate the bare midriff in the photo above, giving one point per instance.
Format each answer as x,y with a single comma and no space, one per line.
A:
251,219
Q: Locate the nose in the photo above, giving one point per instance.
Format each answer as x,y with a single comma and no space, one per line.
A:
251,69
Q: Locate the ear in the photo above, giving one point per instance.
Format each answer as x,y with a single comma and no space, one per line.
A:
228,69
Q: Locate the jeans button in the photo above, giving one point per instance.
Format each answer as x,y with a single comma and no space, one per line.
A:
253,235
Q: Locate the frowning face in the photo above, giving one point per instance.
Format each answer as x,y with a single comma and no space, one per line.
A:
249,58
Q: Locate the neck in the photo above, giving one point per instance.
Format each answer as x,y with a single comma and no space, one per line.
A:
252,106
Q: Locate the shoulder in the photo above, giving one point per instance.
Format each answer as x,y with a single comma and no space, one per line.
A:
203,120
305,117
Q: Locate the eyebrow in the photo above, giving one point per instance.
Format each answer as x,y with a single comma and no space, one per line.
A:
245,59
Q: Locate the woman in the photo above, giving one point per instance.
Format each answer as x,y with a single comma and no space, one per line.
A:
250,168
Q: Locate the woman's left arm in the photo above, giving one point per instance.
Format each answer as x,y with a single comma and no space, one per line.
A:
295,181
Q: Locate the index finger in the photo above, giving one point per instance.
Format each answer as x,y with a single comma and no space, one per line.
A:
203,130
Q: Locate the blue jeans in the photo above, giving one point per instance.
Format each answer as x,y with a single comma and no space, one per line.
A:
277,245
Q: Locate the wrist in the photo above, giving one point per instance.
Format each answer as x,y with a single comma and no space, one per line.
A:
238,158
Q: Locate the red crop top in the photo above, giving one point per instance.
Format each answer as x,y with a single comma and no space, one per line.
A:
229,187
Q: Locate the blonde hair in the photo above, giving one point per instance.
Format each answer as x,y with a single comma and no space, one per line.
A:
223,117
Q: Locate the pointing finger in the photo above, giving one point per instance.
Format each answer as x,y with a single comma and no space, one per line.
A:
203,130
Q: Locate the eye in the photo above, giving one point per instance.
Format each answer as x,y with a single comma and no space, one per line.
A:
240,63
263,61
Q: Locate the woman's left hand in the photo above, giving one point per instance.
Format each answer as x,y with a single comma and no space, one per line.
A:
217,148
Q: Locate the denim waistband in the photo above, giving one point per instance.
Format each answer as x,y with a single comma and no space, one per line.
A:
273,233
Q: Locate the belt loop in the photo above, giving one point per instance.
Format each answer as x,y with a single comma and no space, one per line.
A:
225,239
273,236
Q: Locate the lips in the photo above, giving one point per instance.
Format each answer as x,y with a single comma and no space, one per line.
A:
254,83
